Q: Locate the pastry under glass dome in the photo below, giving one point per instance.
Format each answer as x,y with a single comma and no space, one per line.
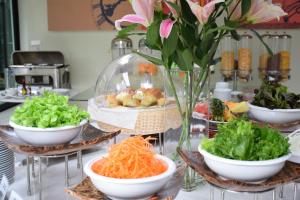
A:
129,81
130,96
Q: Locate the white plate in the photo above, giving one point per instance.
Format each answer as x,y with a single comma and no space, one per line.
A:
2,160
6,159
6,153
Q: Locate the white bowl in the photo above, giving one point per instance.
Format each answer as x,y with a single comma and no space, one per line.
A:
294,140
244,171
61,91
129,189
47,136
276,116
11,91
223,94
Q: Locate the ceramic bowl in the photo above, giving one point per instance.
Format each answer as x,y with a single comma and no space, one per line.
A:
128,189
47,136
244,171
294,140
276,116
61,91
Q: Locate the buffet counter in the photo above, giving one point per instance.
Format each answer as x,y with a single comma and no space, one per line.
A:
53,181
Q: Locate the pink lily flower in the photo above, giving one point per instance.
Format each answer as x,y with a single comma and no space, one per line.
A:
173,11
144,10
260,11
167,24
166,28
264,11
203,13
237,14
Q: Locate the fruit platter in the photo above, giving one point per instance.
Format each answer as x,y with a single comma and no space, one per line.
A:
218,112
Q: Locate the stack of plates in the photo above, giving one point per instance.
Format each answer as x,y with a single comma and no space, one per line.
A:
7,163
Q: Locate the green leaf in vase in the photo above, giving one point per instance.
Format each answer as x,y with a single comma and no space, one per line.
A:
170,43
154,60
126,31
235,35
187,13
173,5
153,40
246,5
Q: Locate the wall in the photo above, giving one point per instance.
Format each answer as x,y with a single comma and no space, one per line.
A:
89,52
86,52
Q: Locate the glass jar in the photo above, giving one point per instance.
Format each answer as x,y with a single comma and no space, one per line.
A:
228,47
120,47
285,55
273,68
245,56
264,55
143,47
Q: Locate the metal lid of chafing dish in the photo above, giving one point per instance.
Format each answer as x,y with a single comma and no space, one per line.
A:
38,58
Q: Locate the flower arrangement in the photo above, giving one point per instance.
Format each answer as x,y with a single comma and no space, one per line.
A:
188,35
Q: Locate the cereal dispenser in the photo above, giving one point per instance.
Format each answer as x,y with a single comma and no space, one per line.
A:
245,57
273,68
264,55
228,47
285,55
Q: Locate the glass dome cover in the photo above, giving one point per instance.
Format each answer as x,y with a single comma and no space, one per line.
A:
130,81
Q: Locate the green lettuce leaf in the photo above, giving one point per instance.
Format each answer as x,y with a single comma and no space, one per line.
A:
48,111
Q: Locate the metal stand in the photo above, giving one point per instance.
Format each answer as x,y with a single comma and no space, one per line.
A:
161,144
295,191
79,163
40,158
223,191
66,170
281,192
212,192
40,179
29,192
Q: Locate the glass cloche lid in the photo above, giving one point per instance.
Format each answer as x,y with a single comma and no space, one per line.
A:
130,81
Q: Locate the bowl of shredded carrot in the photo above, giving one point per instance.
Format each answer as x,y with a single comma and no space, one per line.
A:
130,170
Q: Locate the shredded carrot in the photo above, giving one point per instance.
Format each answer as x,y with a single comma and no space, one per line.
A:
132,158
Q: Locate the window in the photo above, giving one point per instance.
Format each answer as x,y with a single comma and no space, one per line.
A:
9,34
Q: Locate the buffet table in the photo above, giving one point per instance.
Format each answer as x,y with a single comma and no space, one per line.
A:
54,186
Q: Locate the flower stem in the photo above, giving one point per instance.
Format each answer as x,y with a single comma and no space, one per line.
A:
175,92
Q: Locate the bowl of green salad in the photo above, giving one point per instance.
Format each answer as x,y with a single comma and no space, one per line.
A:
48,120
245,152
273,103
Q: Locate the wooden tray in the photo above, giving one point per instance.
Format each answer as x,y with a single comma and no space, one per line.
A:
285,128
89,137
86,191
290,173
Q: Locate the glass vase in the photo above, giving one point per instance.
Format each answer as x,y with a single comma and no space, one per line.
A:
185,88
